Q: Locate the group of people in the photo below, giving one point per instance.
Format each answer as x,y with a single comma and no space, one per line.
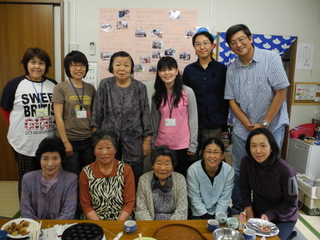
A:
95,159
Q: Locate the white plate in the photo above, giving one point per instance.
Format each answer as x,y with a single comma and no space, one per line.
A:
18,220
255,223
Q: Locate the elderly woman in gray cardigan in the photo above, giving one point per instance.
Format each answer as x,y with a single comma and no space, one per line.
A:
162,193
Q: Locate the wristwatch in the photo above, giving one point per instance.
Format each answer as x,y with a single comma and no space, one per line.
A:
265,124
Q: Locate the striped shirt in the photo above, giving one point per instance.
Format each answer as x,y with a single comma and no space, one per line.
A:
253,89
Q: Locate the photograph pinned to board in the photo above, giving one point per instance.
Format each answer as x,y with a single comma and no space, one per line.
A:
174,14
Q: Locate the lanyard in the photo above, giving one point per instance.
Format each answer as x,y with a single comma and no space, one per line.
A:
80,100
171,104
39,95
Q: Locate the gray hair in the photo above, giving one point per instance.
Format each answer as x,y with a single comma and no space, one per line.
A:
163,150
103,134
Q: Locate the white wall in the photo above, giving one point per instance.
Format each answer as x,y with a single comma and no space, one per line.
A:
286,17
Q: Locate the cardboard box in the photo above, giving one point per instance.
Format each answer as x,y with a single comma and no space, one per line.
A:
309,194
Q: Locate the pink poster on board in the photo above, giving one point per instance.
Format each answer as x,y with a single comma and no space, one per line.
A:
147,35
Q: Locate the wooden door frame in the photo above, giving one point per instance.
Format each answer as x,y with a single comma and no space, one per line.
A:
54,3
292,67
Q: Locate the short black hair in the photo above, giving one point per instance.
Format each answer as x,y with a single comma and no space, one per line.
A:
236,28
163,150
271,139
35,52
51,144
204,33
120,54
102,134
216,141
75,57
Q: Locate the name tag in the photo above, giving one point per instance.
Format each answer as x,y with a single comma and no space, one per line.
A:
41,112
170,122
81,114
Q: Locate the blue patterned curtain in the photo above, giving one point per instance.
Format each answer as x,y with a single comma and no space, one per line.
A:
276,43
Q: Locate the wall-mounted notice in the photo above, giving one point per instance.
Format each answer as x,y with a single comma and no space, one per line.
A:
147,35
305,56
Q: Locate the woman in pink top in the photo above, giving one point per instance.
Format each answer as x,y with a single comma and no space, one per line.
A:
174,113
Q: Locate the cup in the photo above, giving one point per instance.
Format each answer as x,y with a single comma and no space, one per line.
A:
249,234
3,235
232,222
130,226
212,224
221,217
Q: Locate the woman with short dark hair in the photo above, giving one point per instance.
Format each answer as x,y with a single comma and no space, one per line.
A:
162,193
121,104
210,182
268,184
49,193
72,102
26,106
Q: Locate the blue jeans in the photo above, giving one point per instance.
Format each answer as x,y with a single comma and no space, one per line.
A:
82,156
285,229
238,152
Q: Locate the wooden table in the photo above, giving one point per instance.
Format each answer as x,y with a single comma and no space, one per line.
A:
147,228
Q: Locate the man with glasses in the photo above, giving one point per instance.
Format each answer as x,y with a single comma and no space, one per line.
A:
256,89
207,78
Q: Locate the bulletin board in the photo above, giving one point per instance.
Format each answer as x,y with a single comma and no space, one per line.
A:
306,93
147,35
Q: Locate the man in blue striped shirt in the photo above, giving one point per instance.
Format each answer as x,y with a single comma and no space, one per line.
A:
256,89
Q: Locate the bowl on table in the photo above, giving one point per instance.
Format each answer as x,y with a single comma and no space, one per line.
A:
227,234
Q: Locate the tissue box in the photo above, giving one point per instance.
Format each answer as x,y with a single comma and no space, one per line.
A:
309,194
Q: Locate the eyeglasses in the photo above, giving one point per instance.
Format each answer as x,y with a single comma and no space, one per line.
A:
205,44
212,153
240,40
75,66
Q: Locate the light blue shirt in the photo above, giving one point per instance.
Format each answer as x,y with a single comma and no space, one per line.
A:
205,197
253,89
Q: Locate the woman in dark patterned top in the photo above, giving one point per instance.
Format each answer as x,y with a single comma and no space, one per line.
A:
107,189
162,193
121,104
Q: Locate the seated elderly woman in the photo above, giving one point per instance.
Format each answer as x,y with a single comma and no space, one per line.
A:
210,182
49,193
268,184
162,193
106,186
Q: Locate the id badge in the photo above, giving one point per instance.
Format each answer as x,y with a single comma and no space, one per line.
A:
170,122
41,112
81,114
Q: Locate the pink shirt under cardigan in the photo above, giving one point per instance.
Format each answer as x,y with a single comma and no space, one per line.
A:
175,137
